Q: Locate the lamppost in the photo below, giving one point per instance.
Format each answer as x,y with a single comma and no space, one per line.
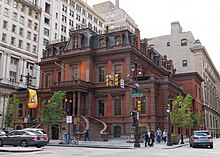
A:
134,67
68,119
169,141
28,79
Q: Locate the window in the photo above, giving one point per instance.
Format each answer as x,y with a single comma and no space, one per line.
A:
14,61
117,106
118,70
184,42
71,13
55,25
45,42
184,63
13,40
78,8
14,16
6,12
34,49
22,19
35,37
30,12
59,76
56,15
4,36
77,17
118,40
29,23
47,8
101,108
20,44
13,76
75,42
5,24
101,74
28,46
168,44
101,43
21,32
64,8
63,28
89,16
36,16
64,18
46,32
28,35
47,80
74,70
20,110
35,26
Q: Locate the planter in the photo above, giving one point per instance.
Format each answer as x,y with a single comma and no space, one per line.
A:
175,139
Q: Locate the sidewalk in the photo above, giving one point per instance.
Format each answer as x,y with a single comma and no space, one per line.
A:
114,143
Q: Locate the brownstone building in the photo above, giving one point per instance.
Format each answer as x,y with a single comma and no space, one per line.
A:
79,68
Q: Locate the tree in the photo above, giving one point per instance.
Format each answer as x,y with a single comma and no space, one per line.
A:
53,110
181,114
9,115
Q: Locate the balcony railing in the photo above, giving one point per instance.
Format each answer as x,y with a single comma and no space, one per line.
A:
31,4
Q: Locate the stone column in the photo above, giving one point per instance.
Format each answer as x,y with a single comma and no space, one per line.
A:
7,68
74,103
78,109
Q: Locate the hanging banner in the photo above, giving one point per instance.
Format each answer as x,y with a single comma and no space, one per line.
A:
32,102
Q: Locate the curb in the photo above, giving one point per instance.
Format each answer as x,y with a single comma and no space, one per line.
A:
176,146
94,146
16,150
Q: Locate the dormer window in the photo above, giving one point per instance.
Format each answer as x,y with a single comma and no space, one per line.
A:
184,63
184,42
75,42
101,43
118,40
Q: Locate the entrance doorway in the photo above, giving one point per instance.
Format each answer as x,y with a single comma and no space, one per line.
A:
117,131
55,132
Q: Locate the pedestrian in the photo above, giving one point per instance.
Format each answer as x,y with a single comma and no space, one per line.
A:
87,135
165,135
158,135
147,138
152,137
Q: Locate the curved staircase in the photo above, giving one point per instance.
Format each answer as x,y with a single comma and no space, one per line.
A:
97,129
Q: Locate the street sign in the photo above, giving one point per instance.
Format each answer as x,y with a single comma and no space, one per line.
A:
137,94
69,119
122,83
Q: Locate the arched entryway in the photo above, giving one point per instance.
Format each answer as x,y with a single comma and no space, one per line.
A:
117,131
55,132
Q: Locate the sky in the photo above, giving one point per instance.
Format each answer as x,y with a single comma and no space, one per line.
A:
154,17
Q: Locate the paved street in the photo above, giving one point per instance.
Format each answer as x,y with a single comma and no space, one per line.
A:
158,150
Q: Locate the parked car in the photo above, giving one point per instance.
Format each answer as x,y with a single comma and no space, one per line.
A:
23,138
2,133
201,138
40,131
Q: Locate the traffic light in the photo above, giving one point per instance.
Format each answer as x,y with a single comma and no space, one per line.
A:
168,108
139,105
116,80
107,80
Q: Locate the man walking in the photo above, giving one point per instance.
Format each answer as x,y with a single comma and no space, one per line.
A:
87,135
158,135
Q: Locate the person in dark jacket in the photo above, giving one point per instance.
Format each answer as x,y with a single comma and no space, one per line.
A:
87,135
147,138
152,137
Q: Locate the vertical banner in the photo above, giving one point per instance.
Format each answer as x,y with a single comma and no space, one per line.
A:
32,102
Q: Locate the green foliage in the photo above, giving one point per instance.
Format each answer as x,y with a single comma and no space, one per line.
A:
197,119
9,115
181,113
53,111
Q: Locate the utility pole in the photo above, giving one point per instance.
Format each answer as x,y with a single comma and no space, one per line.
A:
28,79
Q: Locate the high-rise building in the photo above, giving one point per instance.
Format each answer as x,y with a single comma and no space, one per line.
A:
26,27
189,55
114,16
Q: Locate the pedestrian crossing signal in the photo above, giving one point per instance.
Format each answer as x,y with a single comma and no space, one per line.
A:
168,108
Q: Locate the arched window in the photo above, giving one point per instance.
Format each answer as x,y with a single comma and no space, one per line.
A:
183,42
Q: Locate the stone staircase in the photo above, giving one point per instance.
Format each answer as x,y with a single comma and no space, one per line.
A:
97,129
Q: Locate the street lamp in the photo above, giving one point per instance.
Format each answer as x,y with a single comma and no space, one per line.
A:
28,79
68,120
136,114
169,141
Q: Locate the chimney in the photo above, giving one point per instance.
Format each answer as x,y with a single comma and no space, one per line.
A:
137,32
176,28
117,3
